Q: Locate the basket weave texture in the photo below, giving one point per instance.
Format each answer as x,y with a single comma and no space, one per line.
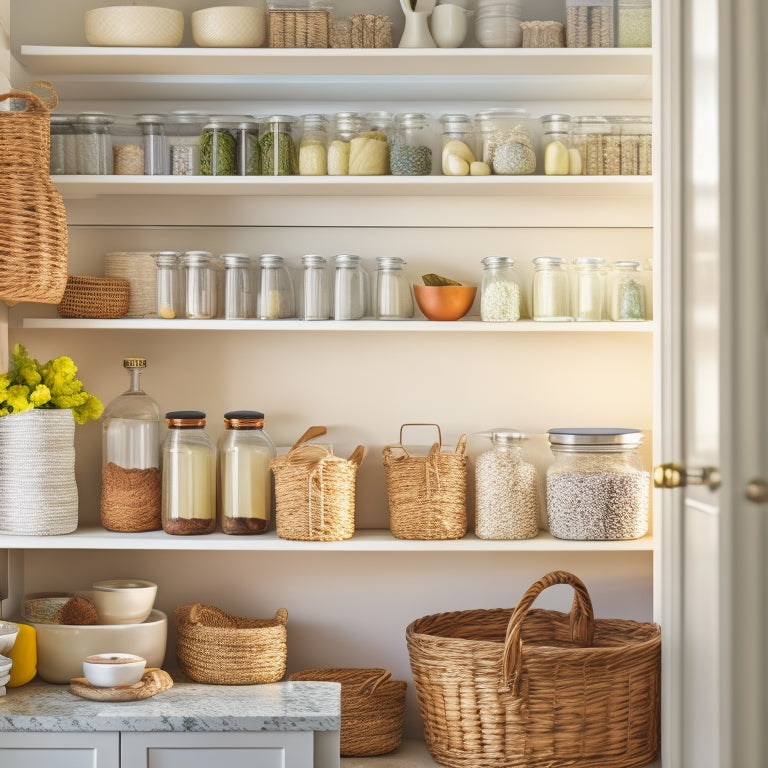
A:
536,688
33,221
215,647
299,28
315,491
427,494
95,297
372,708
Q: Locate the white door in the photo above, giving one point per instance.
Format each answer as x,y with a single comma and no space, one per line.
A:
714,364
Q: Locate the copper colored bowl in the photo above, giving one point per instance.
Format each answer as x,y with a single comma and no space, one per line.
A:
444,302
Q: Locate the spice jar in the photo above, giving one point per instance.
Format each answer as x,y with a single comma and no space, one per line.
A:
549,296
557,145
245,479
218,149
634,24
93,143
597,488
411,150
500,299
394,299
587,289
63,152
350,288
589,23
315,296
459,146
313,147
200,285
510,140
237,286
154,143
169,298
506,495
278,151
346,125
130,479
275,296
626,292
183,130
188,460
247,153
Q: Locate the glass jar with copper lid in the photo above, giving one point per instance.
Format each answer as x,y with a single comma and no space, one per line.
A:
245,479
188,458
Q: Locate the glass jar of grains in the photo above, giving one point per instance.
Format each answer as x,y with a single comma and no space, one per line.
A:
275,296
411,151
500,295
183,131
93,143
369,148
510,139
597,487
634,24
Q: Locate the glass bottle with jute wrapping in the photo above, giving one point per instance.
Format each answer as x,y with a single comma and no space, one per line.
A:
130,490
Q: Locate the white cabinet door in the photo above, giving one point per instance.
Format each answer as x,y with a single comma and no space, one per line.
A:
59,750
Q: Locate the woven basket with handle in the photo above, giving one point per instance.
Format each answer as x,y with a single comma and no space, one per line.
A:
372,708
537,688
33,221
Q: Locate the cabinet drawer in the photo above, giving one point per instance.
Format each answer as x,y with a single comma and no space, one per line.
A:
60,750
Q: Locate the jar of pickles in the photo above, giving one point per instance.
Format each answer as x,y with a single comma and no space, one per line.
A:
278,150
500,295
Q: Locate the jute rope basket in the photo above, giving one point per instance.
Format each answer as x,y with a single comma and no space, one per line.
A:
95,297
529,688
427,494
372,708
315,491
214,647
33,221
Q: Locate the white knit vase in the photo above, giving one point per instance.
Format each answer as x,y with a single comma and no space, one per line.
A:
38,492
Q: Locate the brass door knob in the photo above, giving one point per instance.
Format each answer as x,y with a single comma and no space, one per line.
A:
757,491
673,475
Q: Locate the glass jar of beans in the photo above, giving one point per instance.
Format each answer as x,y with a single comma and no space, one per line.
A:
597,487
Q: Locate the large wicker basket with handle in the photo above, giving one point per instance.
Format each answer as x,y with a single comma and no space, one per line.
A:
33,221
537,688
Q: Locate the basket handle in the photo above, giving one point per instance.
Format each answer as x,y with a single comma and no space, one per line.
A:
582,624
421,424
308,435
373,682
34,103
357,456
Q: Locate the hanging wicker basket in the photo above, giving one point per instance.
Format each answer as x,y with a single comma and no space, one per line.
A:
33,222
529,688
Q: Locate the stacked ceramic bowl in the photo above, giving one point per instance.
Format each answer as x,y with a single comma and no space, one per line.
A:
8,634
497,23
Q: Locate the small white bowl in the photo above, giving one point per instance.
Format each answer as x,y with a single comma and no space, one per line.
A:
105,670
230,26
139,25
123,601
8,634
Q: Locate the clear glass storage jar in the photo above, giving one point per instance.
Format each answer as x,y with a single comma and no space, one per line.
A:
634,24
201,289
170,302
636,142
369,151
313,146
127,147
557,145
411,150
626,292
587,289
275,295
130,479
237,286
394,297
188,461
459,145
506,489
63,148
245,479
597,487
549,294
510,140
350,288
278,148
247,152
93,143
183,130
500,294
218,148
598,143
315,294
346,125
155,144
589,23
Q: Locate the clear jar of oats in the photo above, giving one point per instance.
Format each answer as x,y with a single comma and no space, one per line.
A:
597,487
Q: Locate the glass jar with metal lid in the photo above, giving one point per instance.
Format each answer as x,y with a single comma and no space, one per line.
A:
245,479
350,288
557,145
369,151
155,144
549,295
636,142
500,294
218,147
275,298
188,459
506,489
587,289
63,151
511,140
458,140
201,291
127,147
394,298
183,129
170,303
237,286
93,143
278,148
313,146
346,125
597,487
626,292
315,293
247,151
412,143
588,136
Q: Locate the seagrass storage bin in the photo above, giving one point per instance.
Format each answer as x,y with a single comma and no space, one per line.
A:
95,297
427,495
372,708
537,688
299,28
215,647
33,221
315,491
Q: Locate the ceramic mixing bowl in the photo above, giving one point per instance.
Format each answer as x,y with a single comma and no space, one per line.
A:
123,601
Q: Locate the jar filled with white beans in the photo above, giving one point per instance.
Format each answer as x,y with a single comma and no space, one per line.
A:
500,295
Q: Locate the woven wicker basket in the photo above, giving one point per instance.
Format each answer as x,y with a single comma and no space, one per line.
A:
529,688
315,491
95,297
214,647
299,28
427,494
33,221
372,708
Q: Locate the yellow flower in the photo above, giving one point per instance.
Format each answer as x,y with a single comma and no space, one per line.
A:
18,398
40,396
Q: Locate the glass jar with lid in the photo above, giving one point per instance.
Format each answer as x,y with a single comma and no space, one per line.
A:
313,146
350,288
634,24
93,143
557,144
369,148
412,144
183,132
597,487
587,294
635,139
459,144
506,489
510,140
315,295
589,23
169,295
245,479
127,147
278,148
218,148
63,151
275,298
154,143
500,295
188,460
549,295
588,136
626,292
248,154
346,125
394,298
201,290
237,286
130,479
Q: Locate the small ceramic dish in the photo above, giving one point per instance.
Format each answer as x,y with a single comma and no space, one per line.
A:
444,302
107,670
123,601
8,633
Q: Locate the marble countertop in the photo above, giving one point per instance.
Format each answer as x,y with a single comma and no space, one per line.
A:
187,706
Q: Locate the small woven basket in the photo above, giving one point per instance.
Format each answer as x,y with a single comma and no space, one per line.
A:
298,28
372,708
95,297
33,221
427,494
529,688
315,491
214,647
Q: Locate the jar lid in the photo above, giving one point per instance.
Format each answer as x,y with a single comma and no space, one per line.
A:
185,116
347,258
247,125
270,259
548,261
243,420
62,119
626,264
595,436
167,258
455,118
235,259
185,419
197,258
379,118
135,362
95,118
498,261
390,261
411,118
588,261
149,119
273,119
312,259
505,435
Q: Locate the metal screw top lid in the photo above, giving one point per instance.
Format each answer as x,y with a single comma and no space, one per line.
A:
617,436
134,362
